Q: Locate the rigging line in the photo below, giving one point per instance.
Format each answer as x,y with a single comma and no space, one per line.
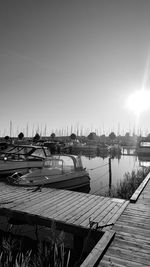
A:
97,167
103,174
97,179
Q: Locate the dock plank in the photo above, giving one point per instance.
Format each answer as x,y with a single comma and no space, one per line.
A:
48,201
128,254
66,202
65,205
27,199
97,214
110,217
119,212
118,262
82,213
73,217
138,246
89,213
83,202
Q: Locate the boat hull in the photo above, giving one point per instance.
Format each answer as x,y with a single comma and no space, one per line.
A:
61,181
143,152
70,183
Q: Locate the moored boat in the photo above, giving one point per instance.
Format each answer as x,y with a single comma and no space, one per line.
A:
21,158
58,171
144,161
143,147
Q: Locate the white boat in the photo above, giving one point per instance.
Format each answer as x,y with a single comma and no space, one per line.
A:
144,161
21,158
59,171
143,147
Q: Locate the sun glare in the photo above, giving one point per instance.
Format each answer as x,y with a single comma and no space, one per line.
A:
139,101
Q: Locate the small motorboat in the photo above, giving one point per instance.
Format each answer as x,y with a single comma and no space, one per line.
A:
58,171
19,158
144,161
143,147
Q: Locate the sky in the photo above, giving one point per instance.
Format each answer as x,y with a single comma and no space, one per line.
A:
68,65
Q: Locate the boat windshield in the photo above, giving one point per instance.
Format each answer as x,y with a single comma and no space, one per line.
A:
62,162
41,153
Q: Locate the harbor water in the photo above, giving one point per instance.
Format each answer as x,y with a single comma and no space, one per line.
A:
99,171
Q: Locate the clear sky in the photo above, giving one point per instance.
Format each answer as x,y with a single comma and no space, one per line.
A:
72,63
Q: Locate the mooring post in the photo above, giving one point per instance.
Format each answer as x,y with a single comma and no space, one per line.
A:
110,174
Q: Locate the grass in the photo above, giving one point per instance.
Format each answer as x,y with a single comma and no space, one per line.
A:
126,188
18,251
22,251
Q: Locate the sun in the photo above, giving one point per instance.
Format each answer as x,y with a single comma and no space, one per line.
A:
139,101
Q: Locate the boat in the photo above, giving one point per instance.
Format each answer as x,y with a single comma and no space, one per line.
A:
143,147
58,171
22,158
3,146
89,148
144,161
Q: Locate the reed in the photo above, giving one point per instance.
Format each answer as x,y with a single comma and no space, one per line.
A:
15,251
125,188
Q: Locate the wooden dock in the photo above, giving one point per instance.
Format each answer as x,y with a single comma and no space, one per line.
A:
131,245
71,211
125,243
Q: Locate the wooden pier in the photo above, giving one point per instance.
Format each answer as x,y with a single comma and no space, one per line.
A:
70,210
131,244
125,224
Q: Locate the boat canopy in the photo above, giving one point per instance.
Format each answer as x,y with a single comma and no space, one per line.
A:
65,162
24,151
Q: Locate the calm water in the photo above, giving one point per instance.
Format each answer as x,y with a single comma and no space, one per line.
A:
98,169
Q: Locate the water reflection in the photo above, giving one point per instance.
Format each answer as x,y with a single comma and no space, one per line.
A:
83,189
99,171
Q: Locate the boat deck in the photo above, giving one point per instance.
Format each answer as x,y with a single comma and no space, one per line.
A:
70,210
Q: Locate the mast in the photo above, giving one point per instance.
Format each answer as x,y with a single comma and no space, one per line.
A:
10,129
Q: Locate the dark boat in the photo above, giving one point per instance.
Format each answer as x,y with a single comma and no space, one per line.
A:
21,158
143,147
